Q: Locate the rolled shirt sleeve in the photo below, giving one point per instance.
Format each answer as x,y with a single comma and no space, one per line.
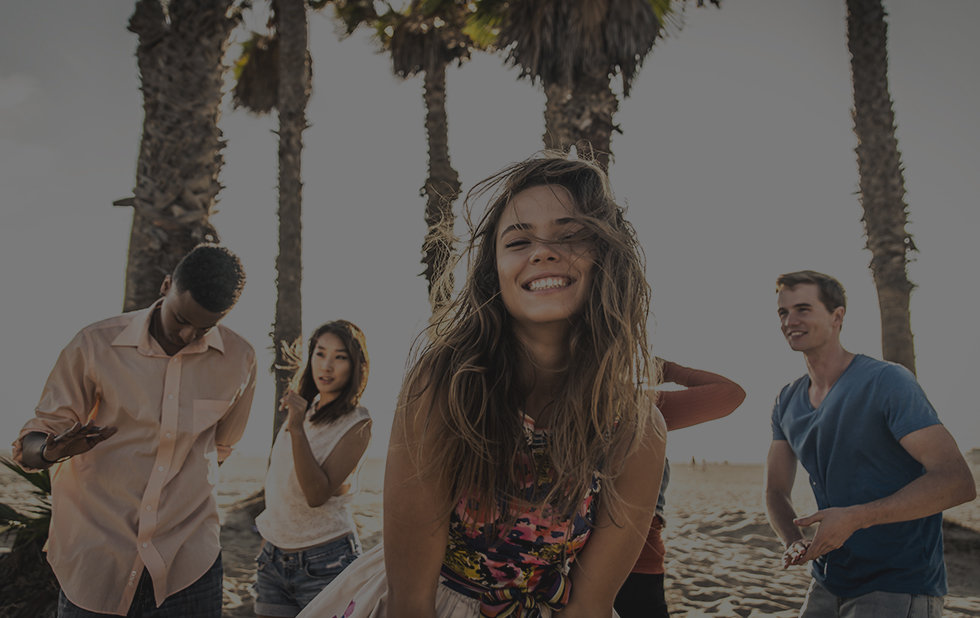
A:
230,428
70,395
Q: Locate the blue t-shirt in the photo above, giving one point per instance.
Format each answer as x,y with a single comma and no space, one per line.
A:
850,447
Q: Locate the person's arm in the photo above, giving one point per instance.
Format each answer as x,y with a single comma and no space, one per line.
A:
947,481
416,529
41,450
780,476
229,430
707,396
320,482
612,549
63,425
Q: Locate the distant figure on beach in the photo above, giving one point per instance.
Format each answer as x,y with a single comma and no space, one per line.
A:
518,472
308,534
142,408
707,396
881,466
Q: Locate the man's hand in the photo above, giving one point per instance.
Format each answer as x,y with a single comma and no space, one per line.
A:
76,440
795,553
296,408
836,526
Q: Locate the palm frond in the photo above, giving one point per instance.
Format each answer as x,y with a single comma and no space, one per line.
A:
483,28
31,523
292,355
40,480
257,74
558,41
419,39
10,518
352,14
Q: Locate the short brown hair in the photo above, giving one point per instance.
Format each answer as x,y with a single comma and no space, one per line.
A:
829,290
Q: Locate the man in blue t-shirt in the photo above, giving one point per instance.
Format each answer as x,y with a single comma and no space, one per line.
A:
882,468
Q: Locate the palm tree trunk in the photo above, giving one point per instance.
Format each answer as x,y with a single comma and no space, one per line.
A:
581,115
559,133
179,55
441,188
293,94
882,183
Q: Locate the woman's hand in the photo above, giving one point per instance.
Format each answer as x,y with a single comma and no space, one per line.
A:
295,407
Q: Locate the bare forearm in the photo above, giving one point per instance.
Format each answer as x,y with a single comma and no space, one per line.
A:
402,607
931,493
606,562
781,464
707,396
313,480
579,609
411,590
618,537
596,582
781,513
414,549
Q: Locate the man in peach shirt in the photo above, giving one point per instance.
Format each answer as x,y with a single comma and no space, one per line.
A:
142,408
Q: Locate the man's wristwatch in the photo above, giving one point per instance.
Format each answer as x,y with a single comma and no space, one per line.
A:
48,461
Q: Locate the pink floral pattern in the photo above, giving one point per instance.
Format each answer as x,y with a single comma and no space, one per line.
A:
516,570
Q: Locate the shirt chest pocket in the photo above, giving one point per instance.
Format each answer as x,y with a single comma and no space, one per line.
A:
207,412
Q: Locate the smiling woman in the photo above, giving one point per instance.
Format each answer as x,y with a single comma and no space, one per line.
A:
518,472
544,257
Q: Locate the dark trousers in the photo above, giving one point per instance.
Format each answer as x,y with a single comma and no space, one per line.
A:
642,596
202,599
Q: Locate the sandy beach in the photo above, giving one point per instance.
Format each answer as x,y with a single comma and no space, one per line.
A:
722,557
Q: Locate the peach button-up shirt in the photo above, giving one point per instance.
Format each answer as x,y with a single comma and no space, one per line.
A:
146,496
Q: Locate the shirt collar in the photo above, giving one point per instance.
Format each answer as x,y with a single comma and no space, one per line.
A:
137,335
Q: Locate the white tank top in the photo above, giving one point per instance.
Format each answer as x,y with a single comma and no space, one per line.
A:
288,522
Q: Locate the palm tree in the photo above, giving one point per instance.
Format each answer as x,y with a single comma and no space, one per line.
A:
179,54
427,38
274,71
574,47
882,182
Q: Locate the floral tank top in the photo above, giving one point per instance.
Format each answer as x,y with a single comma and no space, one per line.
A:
524,567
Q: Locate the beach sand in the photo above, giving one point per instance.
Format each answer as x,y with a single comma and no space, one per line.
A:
722,557
724,560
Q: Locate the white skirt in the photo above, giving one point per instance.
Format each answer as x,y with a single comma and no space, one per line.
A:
361,591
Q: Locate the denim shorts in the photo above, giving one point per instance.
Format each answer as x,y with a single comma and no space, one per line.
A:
287,581
821,603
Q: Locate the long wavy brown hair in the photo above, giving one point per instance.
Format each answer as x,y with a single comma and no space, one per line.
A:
466,386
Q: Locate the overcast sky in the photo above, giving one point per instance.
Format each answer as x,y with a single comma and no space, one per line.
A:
736,162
